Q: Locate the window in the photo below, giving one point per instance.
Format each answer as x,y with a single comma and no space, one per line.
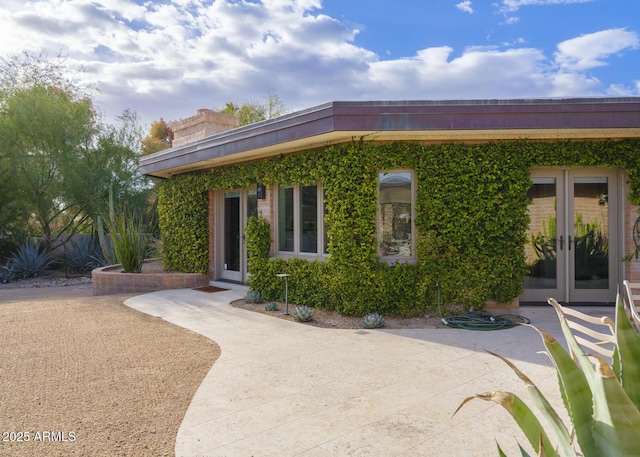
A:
300,213
285,219
396,232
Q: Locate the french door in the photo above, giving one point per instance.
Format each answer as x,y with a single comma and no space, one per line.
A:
236,208
572,251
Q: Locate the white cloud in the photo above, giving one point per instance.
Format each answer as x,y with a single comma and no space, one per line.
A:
168,59
514,5
592,50
465,6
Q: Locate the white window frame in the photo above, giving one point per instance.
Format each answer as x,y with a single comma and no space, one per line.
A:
297,229
392,259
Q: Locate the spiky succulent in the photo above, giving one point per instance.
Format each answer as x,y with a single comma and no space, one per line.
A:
31,261
7,272
271,306
303,313
253,296
373,320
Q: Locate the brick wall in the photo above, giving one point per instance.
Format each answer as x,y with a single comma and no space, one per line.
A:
631,213
111,280
205,123
267,210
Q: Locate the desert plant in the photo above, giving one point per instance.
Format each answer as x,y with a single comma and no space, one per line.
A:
31,260
130,243
84,255
7,272
602,400
373,320
271,306
106,245
253,296
303,313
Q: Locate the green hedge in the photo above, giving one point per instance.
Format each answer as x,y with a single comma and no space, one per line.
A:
472,220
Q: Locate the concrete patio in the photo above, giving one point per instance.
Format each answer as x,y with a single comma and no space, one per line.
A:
288,389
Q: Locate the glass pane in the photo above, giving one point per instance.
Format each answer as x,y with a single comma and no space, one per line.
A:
252,203
540,250
591,233
232,231
395,214
309,219
285,219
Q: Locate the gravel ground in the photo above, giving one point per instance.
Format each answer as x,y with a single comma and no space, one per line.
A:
332,319
85,375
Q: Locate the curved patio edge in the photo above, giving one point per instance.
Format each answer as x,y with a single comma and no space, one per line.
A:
111,280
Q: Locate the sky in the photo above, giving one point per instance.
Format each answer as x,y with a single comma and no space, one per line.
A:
168,58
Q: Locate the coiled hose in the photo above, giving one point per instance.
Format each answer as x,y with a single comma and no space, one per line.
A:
481,321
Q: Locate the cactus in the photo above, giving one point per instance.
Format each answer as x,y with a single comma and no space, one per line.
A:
271,306
303,313
253,296
373,320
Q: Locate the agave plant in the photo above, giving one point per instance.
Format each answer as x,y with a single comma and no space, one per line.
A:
271,306
373,320
84,255
7,272
303,313
31,260
602,399
253,296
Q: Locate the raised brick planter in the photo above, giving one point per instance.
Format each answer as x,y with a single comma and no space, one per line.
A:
112,280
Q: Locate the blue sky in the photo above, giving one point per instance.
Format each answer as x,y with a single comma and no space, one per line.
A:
168,58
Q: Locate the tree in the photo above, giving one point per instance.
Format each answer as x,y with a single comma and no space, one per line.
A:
251,112
43,130
160,137
60,160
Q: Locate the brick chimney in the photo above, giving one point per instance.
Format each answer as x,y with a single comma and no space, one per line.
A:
206,122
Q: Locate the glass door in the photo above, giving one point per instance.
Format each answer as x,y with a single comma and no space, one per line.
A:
237,207
590,243
571,245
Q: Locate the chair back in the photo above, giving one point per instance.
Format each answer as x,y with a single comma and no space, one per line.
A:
595,334
632,301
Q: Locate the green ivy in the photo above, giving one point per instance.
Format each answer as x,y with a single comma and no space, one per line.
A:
471,220
183,219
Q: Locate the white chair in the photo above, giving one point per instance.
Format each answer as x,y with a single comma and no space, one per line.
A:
632,301
596,339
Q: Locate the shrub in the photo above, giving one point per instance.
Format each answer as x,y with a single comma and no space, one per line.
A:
31,260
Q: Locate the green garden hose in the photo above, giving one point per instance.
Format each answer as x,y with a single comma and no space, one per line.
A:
481,321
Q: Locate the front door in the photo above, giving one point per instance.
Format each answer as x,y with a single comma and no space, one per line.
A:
571,249
237,207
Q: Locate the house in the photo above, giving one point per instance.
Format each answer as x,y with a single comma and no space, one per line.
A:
394,206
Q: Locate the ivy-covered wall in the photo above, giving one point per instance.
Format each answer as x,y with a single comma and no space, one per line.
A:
471,221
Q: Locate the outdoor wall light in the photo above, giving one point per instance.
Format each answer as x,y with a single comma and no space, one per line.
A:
261,191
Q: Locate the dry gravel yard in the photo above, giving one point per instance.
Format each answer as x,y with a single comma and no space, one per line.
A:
88,376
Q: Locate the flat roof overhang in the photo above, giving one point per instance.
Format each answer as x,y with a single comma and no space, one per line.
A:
468,121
